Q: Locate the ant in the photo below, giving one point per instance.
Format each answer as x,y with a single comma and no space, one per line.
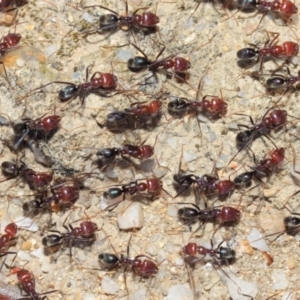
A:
143,267
61,196
285,8
35,180
84,233
178,64
248,57
271,120
145,22
213,107
107,155
8,238
100,84
227,214
277,82
151,187
223,254
27,283
263,168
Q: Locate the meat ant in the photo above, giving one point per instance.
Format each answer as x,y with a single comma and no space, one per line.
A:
61,197
8,238
100,84
210,105
145,268
272,119
27,284
248,57
263,168
107,155
84,233
277,82
223,254
178,64
146,22
35,180
227,214
150,188
286,9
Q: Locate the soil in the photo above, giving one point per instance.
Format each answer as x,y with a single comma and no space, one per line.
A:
54,48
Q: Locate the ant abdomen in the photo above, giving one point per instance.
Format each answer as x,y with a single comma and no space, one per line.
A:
51,240
67,93
178,107
243,137
227,253
246,53
247,4
137,63
108,20
243,180
9,169
108,260
187,214
113,193
292,225
275,82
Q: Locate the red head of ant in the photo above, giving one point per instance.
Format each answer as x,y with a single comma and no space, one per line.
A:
145,22
10,41
5,240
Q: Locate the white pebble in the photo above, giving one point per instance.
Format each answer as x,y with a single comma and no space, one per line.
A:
131,215
88,17
256,241
24,255
39,253
20,62
238,288
124,54
188,156
26,223
295,173
180,292
172,142
109,286
172,210
89,297
280,282
203,118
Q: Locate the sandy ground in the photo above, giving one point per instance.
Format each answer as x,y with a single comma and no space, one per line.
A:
53,27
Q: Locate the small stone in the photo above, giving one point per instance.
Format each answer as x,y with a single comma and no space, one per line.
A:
109,286
26,245
180,292
291,263
280,282
130,216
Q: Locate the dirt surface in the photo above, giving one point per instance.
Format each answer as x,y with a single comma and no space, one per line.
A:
210,40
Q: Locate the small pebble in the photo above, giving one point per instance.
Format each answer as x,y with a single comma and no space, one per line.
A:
131,215
109,286
180,292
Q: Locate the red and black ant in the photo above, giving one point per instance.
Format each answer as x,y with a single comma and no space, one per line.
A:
222,254
35,180
248,57
62,197
146,22
84,233
107,155
141,265
286,9
278,82
8,239
150,188
27,284
227,214
100,83
178,64
263,168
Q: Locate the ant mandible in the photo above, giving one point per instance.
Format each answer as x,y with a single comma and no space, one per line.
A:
145,22
100,84
250,56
